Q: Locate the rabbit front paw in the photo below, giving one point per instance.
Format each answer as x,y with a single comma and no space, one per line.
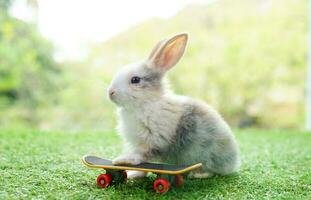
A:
133,159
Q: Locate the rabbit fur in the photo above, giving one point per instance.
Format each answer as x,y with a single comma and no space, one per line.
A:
156,124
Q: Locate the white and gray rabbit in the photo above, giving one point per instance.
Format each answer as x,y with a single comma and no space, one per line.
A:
159,125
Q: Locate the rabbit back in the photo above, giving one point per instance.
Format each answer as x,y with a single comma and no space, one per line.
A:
203,136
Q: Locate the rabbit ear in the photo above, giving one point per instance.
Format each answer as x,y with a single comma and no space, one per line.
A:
168,52
156,49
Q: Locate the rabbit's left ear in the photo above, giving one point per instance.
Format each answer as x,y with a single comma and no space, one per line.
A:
168,52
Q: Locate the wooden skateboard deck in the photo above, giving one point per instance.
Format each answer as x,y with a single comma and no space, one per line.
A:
97,162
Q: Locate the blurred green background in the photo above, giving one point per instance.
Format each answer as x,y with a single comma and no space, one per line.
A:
246,58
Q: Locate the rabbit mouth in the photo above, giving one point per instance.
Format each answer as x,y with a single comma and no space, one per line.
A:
113,99
116,100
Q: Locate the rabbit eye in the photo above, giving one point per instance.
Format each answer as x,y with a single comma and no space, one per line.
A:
135,79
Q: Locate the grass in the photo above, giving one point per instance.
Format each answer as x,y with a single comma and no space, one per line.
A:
46,165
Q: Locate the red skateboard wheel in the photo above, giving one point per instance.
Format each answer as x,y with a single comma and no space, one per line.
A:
178,180
104,180
161,185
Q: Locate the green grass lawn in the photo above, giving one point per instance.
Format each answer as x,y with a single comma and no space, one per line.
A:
46,165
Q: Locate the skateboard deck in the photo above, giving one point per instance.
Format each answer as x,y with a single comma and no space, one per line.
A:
97,162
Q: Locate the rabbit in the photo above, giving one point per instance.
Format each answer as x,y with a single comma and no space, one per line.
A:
156,124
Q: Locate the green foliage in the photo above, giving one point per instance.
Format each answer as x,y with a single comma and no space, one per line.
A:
47,165
246,58
4,5
27,71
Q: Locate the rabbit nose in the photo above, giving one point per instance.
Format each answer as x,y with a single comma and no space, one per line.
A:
111,93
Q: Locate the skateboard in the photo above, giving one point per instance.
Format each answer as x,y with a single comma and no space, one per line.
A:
167,175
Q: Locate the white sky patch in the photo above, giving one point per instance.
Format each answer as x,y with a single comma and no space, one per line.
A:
72,24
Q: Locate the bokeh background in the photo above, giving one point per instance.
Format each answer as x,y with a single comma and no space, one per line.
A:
247,58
